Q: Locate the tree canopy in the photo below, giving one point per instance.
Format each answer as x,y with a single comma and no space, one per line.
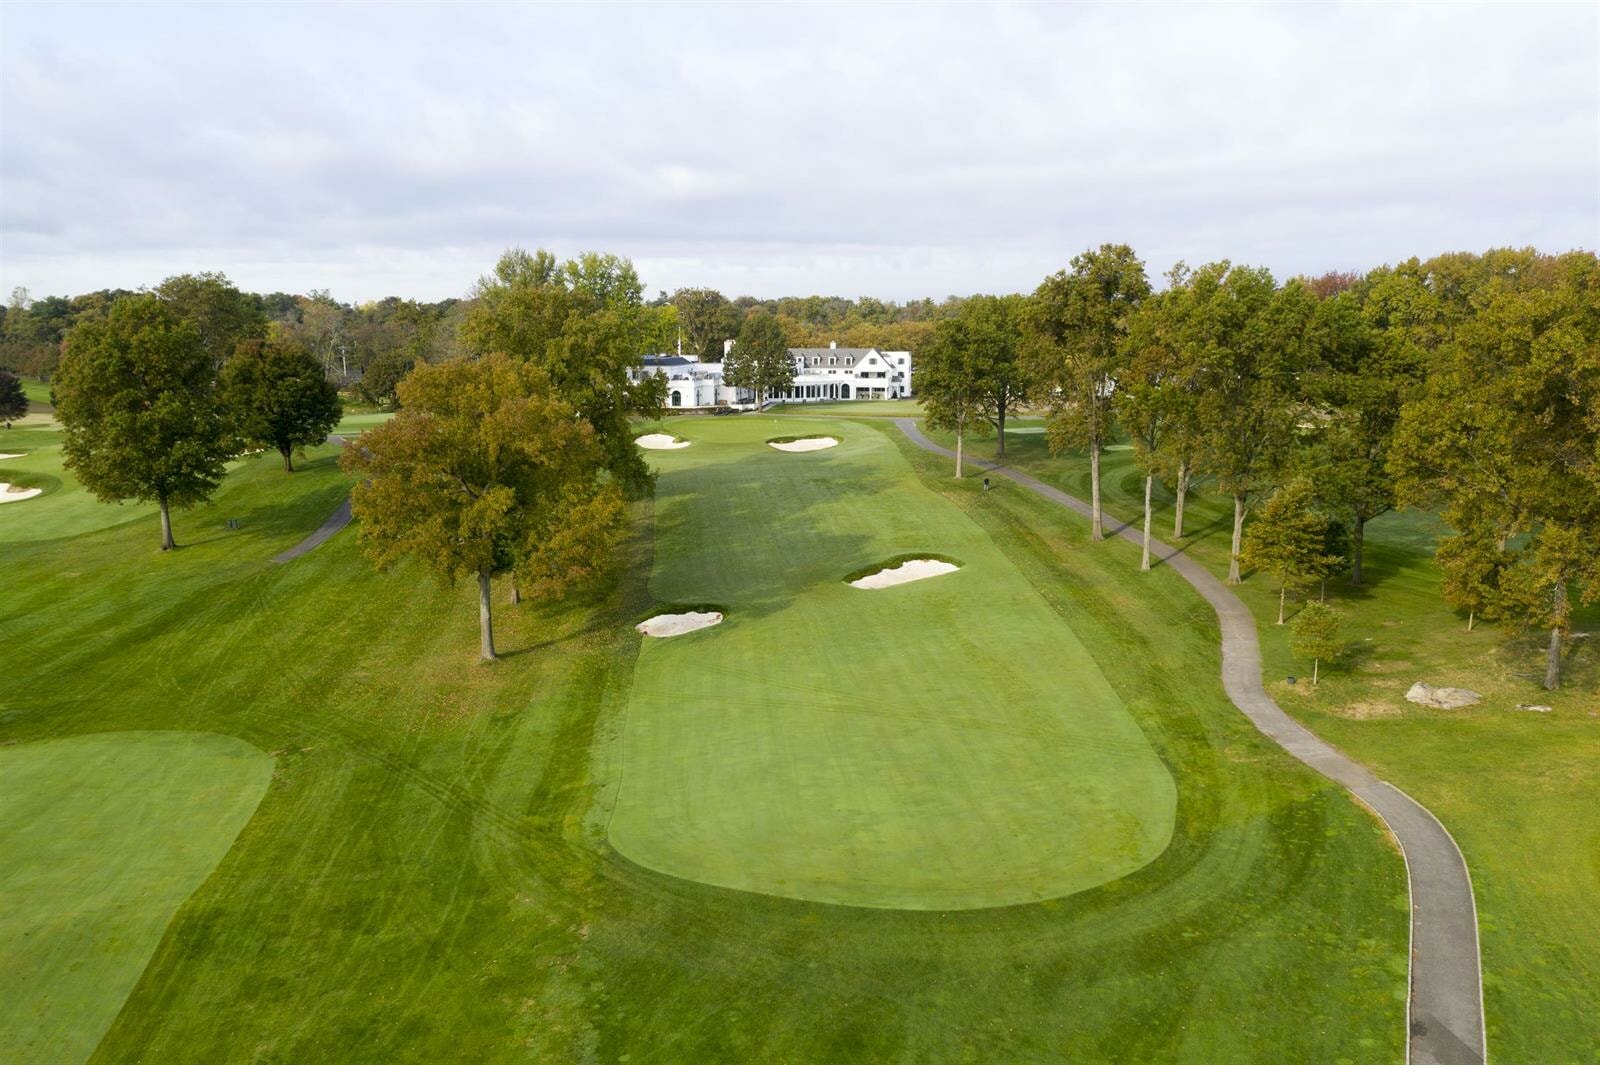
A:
13,400
486,469
136,397
760,358
278,397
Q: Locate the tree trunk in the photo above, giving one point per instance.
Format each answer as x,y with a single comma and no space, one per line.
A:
1552,662
1283,592
960,432
1357,538
1470,615
1315,662
1183,490
288,464
1322,596
1149,484
485,618
1000,448
516,593
1238,539
1096,533
167,542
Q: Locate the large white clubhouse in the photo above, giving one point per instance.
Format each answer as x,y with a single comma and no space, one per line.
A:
820,374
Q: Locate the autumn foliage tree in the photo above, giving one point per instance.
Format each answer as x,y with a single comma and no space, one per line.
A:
486,470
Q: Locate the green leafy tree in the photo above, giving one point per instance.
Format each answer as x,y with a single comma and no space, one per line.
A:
1470,566
1288,539
487,470
706,319
952,378
1153,401
760,358
1503,433
1254,339
1075,326
223,316
383,375
585,324
136,396
13,400
279,397
1316,633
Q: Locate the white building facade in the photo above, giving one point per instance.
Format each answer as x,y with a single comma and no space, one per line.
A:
820,375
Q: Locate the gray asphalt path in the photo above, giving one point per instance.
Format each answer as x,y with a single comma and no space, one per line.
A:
336,521
1446,1005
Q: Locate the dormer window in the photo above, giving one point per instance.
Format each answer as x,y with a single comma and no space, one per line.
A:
849,359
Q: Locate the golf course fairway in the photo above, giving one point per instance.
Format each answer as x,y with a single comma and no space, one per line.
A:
104,837
946,744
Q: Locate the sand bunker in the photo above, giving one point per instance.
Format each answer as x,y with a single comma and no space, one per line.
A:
678,624
804,443
18,455
915,570
15,495
660,442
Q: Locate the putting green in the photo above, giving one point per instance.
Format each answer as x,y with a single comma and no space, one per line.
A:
103,837
944,744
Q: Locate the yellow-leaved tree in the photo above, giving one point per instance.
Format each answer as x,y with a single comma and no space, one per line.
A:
486,470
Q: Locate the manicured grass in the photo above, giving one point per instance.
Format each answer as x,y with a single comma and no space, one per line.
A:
67,509
1516,789
428,877
104,837
876,748
856,408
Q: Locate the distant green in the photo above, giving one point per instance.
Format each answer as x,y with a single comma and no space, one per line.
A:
874,747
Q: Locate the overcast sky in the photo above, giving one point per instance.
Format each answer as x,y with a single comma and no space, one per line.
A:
896,151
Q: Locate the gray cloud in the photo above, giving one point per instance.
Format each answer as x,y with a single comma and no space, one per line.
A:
898,151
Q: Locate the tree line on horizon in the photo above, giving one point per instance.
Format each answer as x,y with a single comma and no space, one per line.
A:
1468,384
1464,383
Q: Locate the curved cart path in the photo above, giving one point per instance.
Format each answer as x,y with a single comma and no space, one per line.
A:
336,521
1446,1002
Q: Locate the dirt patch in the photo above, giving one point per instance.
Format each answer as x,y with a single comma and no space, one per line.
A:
1366,710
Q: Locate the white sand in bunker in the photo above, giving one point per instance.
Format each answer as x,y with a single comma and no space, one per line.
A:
15,495
678,624
660,442
915,570
16,455
805,443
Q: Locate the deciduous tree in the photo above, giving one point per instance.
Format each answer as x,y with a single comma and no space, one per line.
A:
279,397
1253,338
1074,327
1288,539
951,379
223,316
136,396
13,400
486,469
760,358
1316,633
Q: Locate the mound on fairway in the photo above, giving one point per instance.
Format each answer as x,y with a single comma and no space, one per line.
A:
103,838
660,442
803,443
664,625
952,746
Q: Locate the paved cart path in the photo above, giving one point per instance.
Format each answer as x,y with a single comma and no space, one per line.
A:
336,521
1446,1003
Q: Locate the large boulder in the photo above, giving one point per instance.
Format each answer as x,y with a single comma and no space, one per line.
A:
1442,698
